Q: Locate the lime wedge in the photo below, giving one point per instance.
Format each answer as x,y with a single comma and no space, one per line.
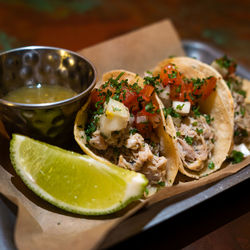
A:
74,182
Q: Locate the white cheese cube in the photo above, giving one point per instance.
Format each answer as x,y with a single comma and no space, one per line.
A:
181,107
115,118
164,95
243,149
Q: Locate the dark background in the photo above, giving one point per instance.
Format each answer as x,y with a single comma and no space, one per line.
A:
80,23
223,222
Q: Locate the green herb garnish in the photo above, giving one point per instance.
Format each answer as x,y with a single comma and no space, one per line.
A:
225,62
150,107
242,92
116,109
170,111
208,118
189,140
196,111
172,75
242,111
132,131
180,107
236,157
199,131
211,165
161,183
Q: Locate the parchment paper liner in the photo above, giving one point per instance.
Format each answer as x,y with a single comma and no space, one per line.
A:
42,226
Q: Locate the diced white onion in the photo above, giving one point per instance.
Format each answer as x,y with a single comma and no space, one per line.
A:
181,107
243,149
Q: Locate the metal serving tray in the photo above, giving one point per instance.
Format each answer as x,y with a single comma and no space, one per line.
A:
165,209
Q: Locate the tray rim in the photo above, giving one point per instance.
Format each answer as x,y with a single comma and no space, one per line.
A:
176,208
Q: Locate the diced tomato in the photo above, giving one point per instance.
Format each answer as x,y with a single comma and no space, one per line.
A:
152,110
185,91
147,92
170,75
96,97
232,68
182,92
129,99
143,125
208,87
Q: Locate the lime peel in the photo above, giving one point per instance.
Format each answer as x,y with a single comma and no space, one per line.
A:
74,182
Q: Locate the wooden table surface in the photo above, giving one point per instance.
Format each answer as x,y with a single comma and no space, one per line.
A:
220,223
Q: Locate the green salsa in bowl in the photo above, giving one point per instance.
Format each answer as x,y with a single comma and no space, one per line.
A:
41,89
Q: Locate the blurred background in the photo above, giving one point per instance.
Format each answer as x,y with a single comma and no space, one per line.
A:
77,24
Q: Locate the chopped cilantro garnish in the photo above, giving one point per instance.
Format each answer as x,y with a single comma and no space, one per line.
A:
197,83
212,140
225,62
98,104
180,107
139,98
208,118
199,131
236,157
242,92
146,191
132,131
211,165
161,183
99,111
119,76
196,111
136,88
152,80
116,109
229,83
172,75
149,107
178,133
189,140
91,127
191,96
170,111
178,89
242,111
195,123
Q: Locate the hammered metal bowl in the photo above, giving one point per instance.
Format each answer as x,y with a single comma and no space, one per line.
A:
28,66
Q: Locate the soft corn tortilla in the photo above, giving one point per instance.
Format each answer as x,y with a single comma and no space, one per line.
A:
167,145
246,87
219,105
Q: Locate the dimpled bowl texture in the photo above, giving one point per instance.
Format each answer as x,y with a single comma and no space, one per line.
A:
28,66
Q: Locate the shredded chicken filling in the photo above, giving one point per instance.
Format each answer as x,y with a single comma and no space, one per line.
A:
195,141
241,112
131,151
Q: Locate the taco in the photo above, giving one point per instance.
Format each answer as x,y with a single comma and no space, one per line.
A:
198,106
227,68
122,123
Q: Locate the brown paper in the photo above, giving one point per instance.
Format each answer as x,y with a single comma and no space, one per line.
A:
42,226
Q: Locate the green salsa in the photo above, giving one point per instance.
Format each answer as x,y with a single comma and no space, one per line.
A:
39,94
